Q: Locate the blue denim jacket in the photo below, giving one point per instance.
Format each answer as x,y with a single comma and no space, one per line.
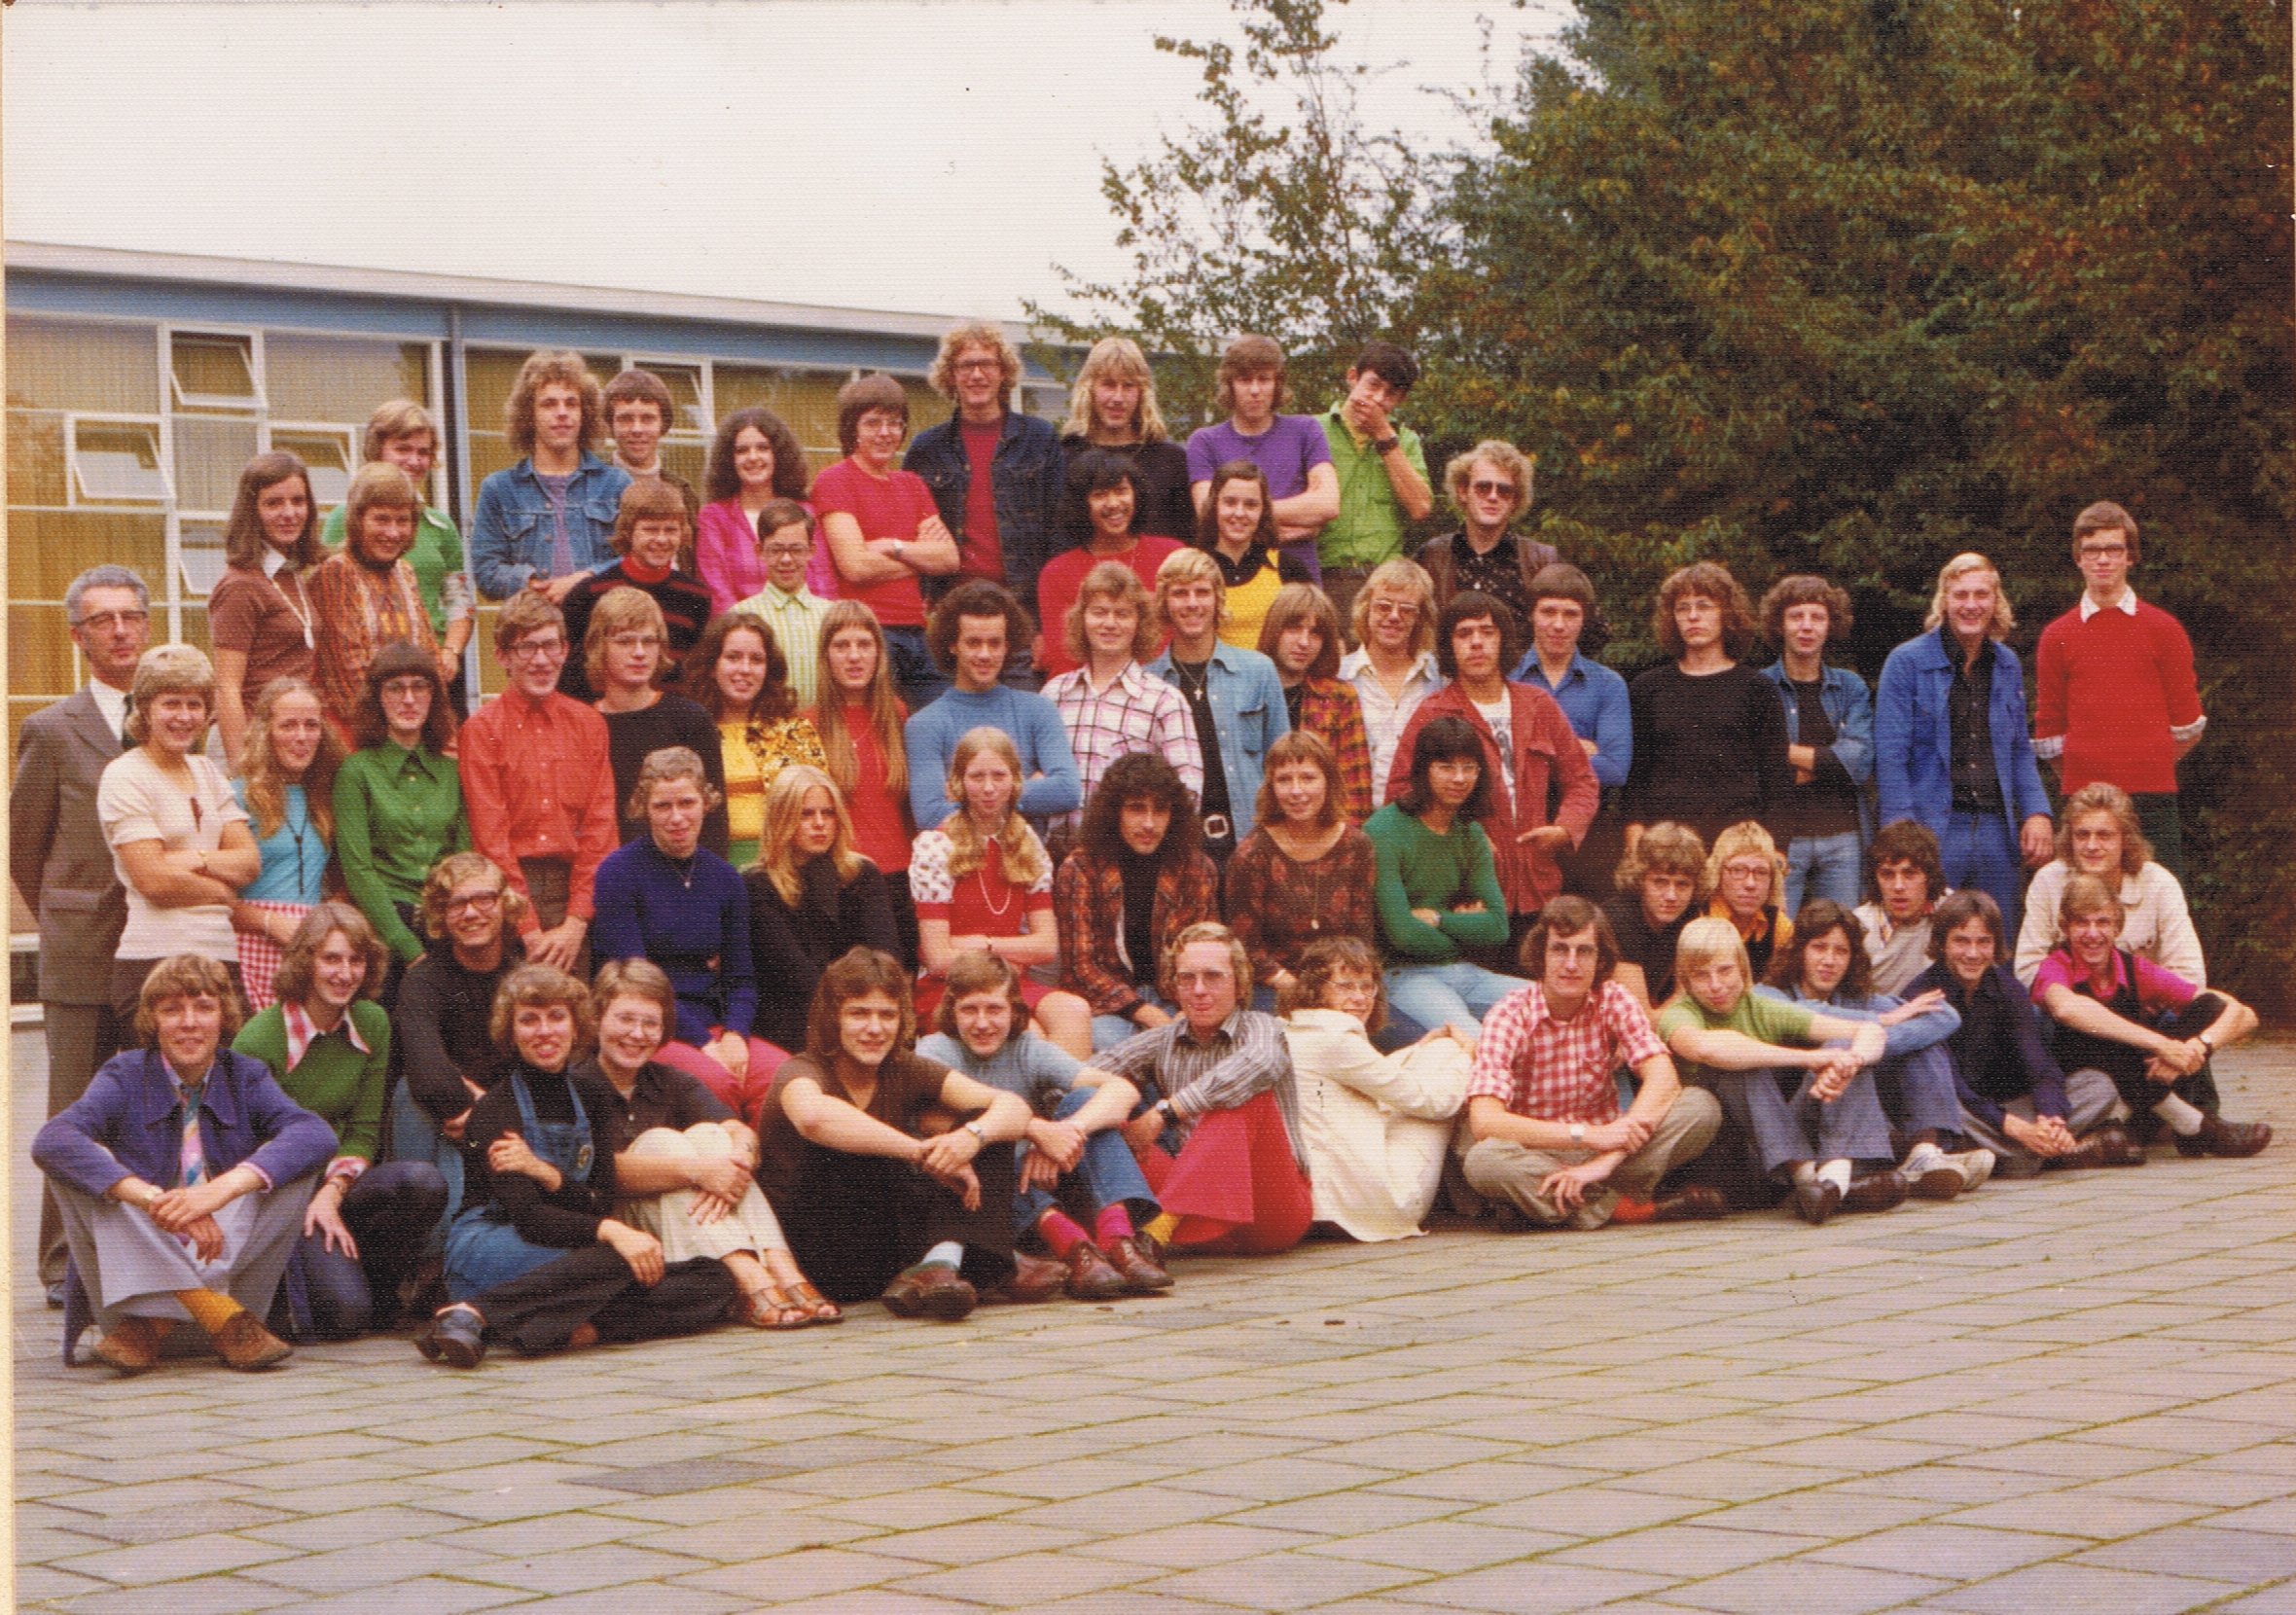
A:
510,534
1248,711
1914,740
1029,479
1849,705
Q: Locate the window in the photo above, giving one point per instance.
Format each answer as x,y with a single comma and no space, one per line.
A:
326,451
213,373
116,462
201,556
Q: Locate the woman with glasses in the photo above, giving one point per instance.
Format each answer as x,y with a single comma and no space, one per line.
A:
398,800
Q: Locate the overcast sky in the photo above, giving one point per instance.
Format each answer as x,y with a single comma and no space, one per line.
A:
878,153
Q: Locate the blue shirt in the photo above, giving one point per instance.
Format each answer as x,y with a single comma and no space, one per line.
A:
1593,698
690,917
294,856
1037,734
1249,716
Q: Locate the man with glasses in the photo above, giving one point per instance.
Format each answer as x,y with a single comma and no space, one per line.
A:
58,859
1392,669
2116,699
1489,486
538,783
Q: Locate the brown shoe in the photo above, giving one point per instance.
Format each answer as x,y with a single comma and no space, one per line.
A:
932,1291
1879,1192
2221,1138
1143,1273
247,1346
2108,1146
1815,1200
1090,1277
1697,1203
133,1345
1035,1279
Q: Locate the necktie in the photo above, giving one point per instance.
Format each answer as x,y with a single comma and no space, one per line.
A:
193,1153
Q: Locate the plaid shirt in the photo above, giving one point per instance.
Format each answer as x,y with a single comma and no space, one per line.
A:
1561,1070
1332,713
1136,712
1087,901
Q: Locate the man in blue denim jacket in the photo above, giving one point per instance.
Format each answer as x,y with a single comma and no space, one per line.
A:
995,473
1829,741
547,522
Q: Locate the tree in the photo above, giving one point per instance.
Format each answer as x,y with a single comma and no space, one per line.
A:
1849,286
1278,213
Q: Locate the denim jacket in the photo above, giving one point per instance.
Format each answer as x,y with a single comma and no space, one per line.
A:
1913,736
1028,478
1248,711
1849,705
510,535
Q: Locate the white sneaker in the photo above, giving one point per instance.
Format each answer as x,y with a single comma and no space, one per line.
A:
1974,1165
1930,1173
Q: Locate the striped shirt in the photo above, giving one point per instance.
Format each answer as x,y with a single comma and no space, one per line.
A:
1243,1057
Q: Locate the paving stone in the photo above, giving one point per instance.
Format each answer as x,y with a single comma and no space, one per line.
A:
178,1560
2064,1585
1545,1589
372,1564
1800,1583
1284,1581
1443,1546
1181,1547
2247,1557
209,1595
807,1575
1024,1580
1966,1550
422,1596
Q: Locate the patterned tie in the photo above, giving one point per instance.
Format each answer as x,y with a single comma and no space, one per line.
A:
193,1156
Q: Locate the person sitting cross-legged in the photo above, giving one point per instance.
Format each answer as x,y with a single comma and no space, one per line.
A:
1809,1135
1544,1129
1074,1146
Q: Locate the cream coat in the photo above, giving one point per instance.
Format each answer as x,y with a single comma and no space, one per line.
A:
1376,1126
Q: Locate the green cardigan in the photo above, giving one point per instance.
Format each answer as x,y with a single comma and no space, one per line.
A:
1418,869
340,1086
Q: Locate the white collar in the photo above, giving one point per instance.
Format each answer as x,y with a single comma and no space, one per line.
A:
1356,660
112,705
2126,605
302,1034
273,560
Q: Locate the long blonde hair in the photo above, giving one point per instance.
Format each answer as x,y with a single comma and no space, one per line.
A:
267,787
785,796
1026,861
884,701
1120,359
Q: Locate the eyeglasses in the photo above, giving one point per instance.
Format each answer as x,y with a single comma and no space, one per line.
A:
2103,551
1406,609
103,622
964,366
477,901
536,650
1489,489
633,641
1747,871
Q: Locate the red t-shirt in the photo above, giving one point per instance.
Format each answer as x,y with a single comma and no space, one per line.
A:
880,816
893,506
980,555
1063,579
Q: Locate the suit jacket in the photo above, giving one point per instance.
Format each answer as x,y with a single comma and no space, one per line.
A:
57,854
1547,757
1913,737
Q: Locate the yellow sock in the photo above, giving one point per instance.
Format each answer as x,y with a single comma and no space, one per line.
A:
209,1309
1161,1230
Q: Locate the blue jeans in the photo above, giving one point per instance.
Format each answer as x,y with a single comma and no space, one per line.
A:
1780,1130
918,680
1822,866
1453,994
1109,1030
1979,849
391,1211
1111,1174
415,1137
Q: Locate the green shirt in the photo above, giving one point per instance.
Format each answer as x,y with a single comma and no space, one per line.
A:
435,557
796,621
1418,869
336,1080
1764,1019
396,813
1369,528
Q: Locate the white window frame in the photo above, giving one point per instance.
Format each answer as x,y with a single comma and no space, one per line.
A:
78,496
257,403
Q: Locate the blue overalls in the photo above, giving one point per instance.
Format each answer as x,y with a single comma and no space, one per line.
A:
482,1248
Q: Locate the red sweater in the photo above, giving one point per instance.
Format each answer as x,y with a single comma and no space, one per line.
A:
2109,691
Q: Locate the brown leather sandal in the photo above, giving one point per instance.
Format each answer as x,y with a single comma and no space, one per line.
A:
818,1308
769,1308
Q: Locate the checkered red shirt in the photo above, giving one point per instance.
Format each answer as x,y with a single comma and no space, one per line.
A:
1136,712
1561,1070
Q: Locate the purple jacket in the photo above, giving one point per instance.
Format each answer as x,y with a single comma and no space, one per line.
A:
124,1126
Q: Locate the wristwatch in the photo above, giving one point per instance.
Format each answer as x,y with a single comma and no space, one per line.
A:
979,1136
1164,1108
1578,1133
1386,445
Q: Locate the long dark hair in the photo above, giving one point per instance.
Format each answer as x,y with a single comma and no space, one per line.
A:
1140,776
1445,738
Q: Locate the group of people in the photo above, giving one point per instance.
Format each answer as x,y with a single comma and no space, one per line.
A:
1243,877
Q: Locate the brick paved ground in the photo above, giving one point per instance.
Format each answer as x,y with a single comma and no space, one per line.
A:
2077,1393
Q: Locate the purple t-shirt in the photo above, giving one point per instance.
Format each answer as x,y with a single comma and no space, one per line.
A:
1286,452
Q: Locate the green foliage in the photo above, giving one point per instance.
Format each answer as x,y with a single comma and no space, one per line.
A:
1278,214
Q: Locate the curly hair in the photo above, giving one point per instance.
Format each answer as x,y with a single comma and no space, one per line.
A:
1819,916
1905,841
453,871
1140,776
561,367
1806,589
187,976
1325,957
859,971
988,334
258,764
975,597
720,480
299,958
1705,580
1492,451
1666,846
663,766
532,984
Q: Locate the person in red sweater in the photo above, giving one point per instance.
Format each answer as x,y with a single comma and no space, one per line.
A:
2116,699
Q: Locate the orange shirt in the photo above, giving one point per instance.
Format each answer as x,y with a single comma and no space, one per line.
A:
538,782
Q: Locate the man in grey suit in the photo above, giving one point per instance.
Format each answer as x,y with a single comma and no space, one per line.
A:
57,858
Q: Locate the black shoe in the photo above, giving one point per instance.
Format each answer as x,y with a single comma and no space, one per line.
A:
456,1337
1815,1200
2217,1137
1880,1192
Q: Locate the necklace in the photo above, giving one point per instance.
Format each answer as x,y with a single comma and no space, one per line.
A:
981,875
301,612
1196,685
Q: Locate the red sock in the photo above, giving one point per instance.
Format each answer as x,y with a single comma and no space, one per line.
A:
1060,1233
1113,1223
1633,1211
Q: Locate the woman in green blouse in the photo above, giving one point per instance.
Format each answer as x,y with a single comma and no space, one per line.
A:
398,800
